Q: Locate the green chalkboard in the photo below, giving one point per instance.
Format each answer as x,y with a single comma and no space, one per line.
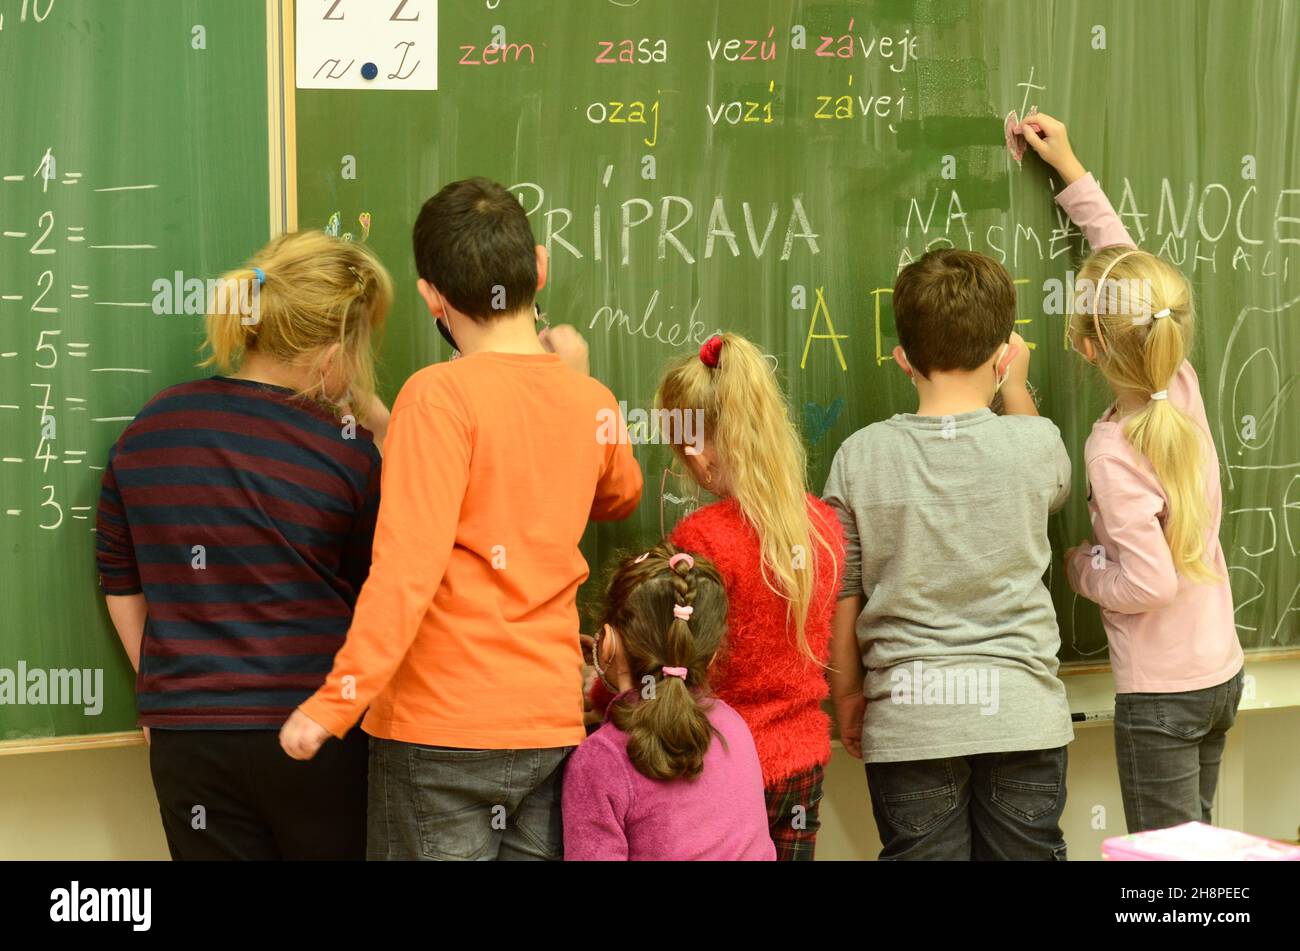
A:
135,147
881,134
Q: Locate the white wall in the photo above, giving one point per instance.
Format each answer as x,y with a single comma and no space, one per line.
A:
99,804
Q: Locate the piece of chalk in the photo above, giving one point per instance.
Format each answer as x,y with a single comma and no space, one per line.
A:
1016,143
369,71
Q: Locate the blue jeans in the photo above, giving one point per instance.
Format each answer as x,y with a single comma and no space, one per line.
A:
1168,747
438,803
990,806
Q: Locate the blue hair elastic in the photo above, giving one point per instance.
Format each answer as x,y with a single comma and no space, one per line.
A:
261,276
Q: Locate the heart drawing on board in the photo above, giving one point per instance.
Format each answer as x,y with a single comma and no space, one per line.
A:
336,225
818,419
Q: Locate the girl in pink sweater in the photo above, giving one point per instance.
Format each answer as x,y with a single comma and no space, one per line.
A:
673,774
780,552
1156,567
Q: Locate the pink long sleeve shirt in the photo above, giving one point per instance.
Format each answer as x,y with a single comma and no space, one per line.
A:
1167,634
614,813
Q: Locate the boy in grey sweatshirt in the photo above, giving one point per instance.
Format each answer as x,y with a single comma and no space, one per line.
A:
945,636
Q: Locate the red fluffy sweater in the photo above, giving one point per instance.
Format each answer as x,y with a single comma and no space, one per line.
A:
760,671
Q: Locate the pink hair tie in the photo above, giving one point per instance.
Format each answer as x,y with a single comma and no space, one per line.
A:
683,612
675,672
678,558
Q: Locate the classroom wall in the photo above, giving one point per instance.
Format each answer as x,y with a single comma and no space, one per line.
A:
99,804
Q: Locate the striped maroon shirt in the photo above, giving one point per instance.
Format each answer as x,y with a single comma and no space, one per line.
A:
245,515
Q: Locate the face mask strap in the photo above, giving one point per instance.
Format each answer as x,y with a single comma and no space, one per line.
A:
1003,378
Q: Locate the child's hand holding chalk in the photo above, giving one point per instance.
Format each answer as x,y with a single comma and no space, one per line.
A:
1015,362
565,341
1047,137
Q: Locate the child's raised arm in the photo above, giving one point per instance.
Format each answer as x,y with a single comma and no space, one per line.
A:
1047,137
1082,198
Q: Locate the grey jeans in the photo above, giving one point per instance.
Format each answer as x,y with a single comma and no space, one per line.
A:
1168,747
438,803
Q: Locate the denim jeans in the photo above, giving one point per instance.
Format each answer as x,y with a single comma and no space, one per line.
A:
437,803
1168,747
990,806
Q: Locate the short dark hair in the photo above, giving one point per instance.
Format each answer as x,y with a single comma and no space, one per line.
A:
953,309
474,244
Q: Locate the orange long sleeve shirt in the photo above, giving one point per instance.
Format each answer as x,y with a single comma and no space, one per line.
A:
466,632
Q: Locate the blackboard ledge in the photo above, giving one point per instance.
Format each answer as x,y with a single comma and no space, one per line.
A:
62,744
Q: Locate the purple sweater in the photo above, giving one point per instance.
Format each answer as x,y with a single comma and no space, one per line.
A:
613,813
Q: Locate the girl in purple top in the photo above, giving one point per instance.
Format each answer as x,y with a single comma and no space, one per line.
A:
673,774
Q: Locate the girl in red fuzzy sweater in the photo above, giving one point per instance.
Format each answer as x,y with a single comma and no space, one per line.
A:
780,551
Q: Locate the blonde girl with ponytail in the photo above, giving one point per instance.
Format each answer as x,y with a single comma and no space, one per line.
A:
780,551
234,534
673,773
306,314
1155,565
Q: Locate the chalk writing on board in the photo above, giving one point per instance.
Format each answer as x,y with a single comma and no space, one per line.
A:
33,11
1247,423
56,250
666,222
1195,235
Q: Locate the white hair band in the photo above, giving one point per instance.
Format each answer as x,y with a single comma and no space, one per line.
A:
1162,395
1159,314
1101,285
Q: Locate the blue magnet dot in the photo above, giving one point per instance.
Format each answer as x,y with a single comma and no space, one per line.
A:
370,71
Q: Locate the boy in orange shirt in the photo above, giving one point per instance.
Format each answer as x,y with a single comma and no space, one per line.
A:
464,644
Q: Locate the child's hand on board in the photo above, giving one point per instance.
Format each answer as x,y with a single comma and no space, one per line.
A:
849,712
565,341
301,736
1018,370
1047,137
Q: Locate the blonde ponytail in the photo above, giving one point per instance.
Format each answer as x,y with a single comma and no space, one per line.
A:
298,295
747,419
1142,325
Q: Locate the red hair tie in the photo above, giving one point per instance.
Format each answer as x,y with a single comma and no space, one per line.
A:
710,351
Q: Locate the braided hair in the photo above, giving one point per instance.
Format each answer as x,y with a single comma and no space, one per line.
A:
670,612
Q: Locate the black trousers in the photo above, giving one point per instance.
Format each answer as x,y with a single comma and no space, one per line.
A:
235,795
